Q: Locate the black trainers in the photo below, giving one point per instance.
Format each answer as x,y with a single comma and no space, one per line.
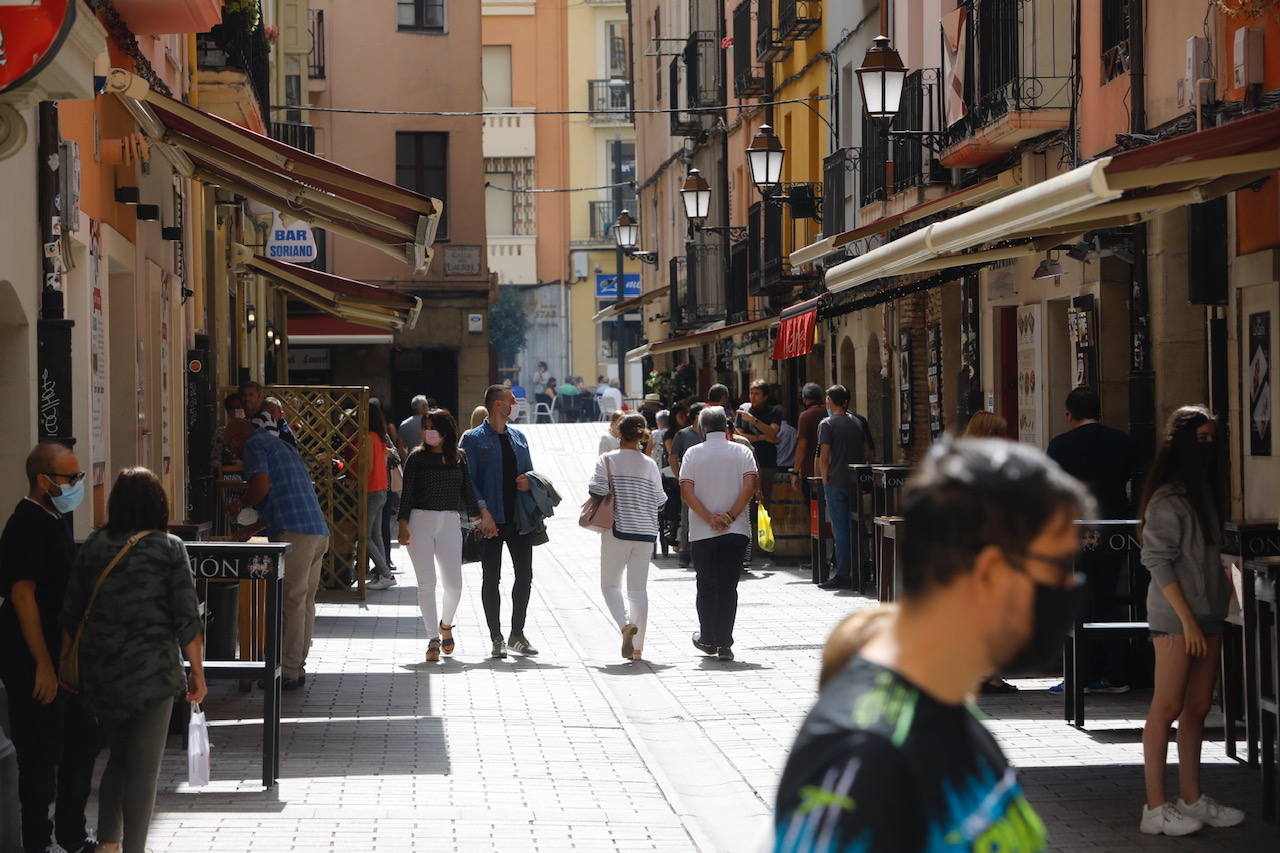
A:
519,644
705,648
499,649
683,561
836,582
725,653
287,684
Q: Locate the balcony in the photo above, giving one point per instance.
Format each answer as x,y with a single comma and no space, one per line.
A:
1017,78
510,135
677,278
837,189
514,258
604,213
149,18
872,179
921,110
683,123
702,69
609,101
704,291
748,78
233,70
770,45
780,233
299,135
316,56
798,19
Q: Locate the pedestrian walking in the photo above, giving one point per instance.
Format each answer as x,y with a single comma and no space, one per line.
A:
371,469
760,422
891,757
811,416
649,408
279,487
266,412
478,415
786,445
410,431
438,492
55,739
498,456
683,441
841,443
395,480
1103,459
718,478
632,478
132,603
611,439
1183,506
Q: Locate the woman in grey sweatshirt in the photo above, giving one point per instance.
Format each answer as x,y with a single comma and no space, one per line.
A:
1182,510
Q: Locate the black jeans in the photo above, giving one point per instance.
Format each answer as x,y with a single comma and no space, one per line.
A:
521,550
57,745
718,563
390,509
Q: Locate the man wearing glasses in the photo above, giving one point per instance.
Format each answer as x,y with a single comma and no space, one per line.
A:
893,756
56,741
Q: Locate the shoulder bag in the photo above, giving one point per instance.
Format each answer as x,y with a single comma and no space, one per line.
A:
597,512
70,673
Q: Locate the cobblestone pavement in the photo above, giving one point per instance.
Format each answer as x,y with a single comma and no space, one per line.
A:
576,750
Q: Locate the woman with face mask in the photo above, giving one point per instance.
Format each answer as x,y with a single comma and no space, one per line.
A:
1182,514
437,490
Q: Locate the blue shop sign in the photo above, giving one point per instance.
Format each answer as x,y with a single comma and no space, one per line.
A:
607,285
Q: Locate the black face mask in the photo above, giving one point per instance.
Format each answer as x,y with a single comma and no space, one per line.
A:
1054,611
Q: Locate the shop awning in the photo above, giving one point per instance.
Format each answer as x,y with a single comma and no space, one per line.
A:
796,329
342,297
638,353
302,186
326,330
629,305
1002,184
707,336
1112,191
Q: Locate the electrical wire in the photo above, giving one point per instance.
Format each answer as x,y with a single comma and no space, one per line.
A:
512,112
560,190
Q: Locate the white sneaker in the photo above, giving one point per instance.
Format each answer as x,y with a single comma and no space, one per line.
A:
381,582
55,847
1167,820
1210,812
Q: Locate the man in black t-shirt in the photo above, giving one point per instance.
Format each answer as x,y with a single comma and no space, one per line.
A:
760,423
56,741
893,757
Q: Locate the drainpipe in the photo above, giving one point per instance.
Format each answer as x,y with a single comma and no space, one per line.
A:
1142,383
53,328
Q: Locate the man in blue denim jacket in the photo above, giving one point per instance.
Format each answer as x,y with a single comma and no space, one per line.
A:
498,456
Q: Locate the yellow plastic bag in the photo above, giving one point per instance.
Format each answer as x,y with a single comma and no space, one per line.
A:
764,530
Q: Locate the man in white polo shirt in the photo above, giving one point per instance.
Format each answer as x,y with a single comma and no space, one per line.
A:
717,480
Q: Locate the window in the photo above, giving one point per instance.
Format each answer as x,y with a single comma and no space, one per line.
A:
495,67
425,15
1115,38
422,161
499,204
616,45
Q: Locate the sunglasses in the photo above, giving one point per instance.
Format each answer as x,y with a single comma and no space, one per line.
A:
71,479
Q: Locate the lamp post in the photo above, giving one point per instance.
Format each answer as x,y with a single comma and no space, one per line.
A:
625,233
765,156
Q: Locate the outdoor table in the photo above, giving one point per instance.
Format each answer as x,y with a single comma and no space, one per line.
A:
1266,643
889,530
819,530
232,562
862,519
1243,541
1100,537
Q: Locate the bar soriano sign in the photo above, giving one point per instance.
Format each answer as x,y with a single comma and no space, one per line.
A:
291,242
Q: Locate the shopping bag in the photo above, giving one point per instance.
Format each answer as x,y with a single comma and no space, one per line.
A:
197,748
764,529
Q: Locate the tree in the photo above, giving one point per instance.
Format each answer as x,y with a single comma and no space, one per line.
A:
508,324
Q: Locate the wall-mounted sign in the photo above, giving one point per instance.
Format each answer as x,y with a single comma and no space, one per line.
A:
1260,384
309,358
1030,375
475,323
30,35
292,242
607,285
462,260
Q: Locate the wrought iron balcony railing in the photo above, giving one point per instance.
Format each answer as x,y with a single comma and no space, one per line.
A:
798,19
298,134
315,58
609,100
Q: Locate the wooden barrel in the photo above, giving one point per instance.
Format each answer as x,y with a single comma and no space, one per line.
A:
789,512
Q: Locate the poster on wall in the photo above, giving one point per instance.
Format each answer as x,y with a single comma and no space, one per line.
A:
97,357
1082,332
904,387
1260,384
934,373
165,289
1030,375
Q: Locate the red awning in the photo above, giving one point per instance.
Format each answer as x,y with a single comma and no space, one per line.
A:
795,332
342,297
302,186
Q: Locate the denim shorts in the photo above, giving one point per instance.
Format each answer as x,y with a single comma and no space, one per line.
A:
1212,629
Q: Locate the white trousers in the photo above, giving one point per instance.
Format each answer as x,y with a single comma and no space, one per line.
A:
435,540
618,554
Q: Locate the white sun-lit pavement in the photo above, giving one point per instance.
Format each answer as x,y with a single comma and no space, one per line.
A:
575,750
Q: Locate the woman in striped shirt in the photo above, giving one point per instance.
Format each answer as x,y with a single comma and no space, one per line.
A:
638,495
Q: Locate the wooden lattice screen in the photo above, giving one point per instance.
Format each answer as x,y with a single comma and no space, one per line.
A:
332,423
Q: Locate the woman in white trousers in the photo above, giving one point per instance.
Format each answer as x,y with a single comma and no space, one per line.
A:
437,492
633,478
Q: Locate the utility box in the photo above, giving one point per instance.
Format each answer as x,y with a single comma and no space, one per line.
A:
1198,67
1247,56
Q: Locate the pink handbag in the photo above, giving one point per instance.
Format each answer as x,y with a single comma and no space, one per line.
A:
597,512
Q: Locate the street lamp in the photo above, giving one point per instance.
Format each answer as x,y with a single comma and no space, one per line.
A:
625,234
880,78
696,194
1050,267
765,156
625,231
251,317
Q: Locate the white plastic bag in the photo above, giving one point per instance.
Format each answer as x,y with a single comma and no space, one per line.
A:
197,748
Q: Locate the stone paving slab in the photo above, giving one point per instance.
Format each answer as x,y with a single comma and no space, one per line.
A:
578,750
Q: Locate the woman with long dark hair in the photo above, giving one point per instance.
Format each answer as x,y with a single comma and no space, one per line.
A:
437,490
1182,513
131,597
377,481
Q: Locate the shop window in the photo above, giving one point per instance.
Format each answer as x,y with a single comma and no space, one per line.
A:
422,163
424,15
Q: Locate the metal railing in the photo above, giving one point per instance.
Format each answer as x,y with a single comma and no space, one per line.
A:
748,78
702,69
609,100
298,134
770,45
798,19
837,187
682,123
781,233
605,213
705,288
871,165
315,58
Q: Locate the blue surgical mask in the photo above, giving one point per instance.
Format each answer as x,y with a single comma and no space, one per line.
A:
69,498
830,413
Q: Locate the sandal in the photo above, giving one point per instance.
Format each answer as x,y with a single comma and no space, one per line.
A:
433,650
636,655
446,634
628,635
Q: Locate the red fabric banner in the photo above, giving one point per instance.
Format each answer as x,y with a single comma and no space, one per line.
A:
795,335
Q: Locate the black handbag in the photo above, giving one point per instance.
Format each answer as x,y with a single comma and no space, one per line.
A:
472,545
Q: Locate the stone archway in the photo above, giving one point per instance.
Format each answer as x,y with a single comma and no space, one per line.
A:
17,372
848,376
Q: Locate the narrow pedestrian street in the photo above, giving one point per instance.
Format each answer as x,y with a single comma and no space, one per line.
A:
576,750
